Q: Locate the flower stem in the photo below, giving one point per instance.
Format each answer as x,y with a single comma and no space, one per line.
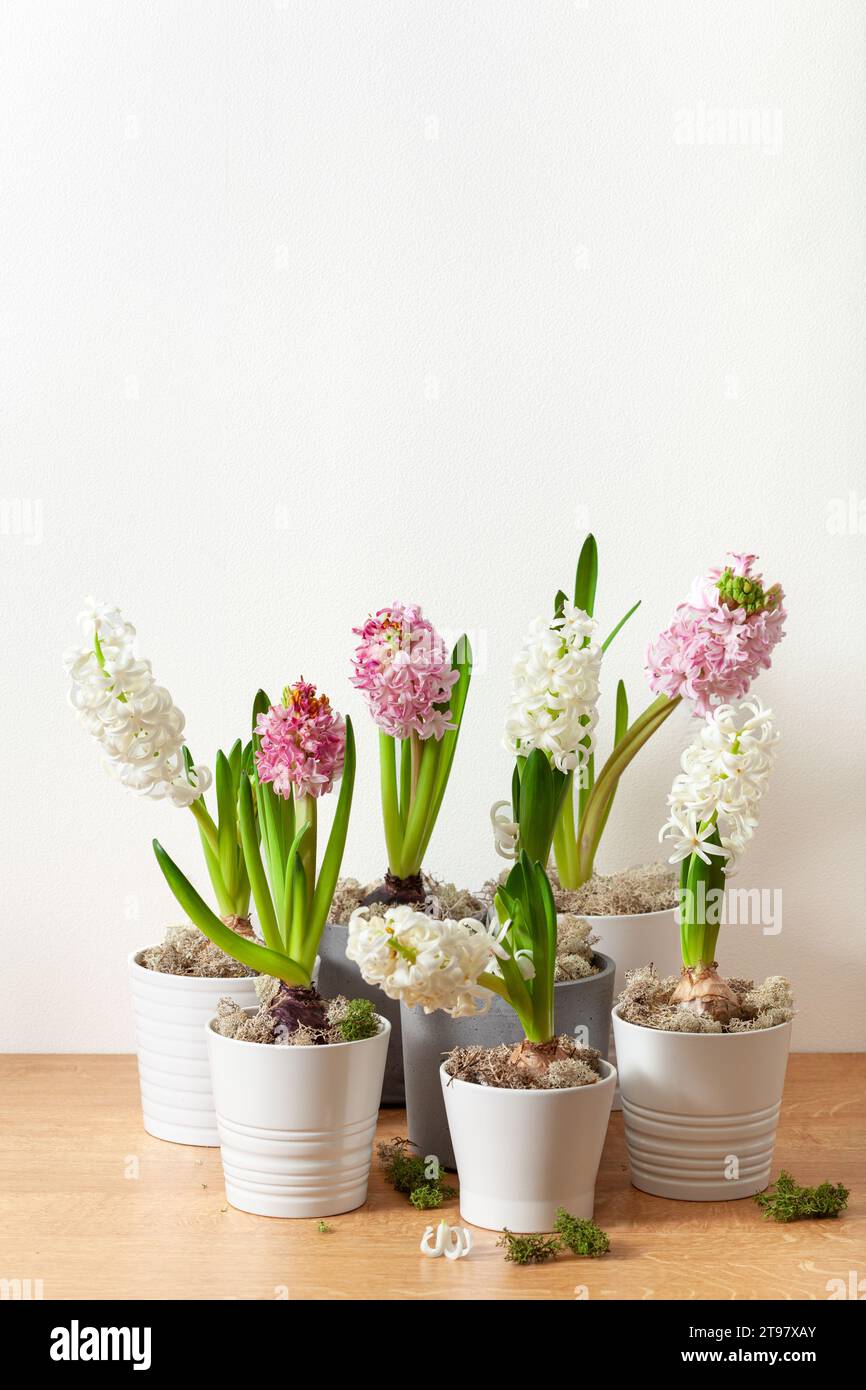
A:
205,823
565,845
390,803
413,843
306,814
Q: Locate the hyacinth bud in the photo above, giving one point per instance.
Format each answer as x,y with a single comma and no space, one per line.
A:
746,591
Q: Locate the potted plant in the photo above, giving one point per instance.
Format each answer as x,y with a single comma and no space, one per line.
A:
550,728
296,1083
416,695
702,1059
177,984
718,640
527,1120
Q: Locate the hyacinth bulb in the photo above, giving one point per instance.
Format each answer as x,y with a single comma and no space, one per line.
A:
701,990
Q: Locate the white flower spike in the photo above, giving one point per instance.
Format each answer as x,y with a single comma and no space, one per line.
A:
451,1241
554,702
134,720
725,773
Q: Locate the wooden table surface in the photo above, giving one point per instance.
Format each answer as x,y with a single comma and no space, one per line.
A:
95,1208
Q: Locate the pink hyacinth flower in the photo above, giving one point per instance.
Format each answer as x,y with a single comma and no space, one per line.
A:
402,667
303,743
720,638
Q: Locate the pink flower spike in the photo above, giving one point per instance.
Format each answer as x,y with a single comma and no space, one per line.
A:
303,743
402,667
720,638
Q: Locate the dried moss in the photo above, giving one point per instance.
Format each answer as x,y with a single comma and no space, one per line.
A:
575,958
186,951
232,1021
347,897
645,888
572,1234
444,900
646,1001
493,1066
441,899
569,1072
345,1020
788,1201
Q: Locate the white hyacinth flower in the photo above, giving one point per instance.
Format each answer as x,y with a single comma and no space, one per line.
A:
725,773
420,960
506,832
554,702
134,720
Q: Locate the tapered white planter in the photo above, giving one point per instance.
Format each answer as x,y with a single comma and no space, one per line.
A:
173,1069
522,1154
701,1109
296,1124
578,1005
633,940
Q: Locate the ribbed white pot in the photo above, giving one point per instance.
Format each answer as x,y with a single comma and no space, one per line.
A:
173,1068
701,1109
522,1154
296,1124
633,940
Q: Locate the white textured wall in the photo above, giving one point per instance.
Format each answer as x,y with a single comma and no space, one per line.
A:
306,306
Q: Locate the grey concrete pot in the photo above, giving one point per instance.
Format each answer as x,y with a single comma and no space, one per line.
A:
427,1037
337,975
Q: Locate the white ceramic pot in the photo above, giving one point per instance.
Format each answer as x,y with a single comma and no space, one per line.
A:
701,1109
173,1069
522,1154
633,940
296,1124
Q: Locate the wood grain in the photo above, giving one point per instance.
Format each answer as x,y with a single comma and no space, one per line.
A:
95,1208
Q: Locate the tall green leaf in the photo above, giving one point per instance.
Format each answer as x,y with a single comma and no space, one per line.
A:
333,856
538,806
291,925
461,662
249,953
413,840
586,578
391,810
622,622
236,754
227,823
255,868
620,729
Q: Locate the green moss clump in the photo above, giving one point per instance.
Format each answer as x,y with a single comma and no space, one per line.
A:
359,1021
528,1250
573,1234
428,1196
407,1173
787,1201
579,1236
403,1170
